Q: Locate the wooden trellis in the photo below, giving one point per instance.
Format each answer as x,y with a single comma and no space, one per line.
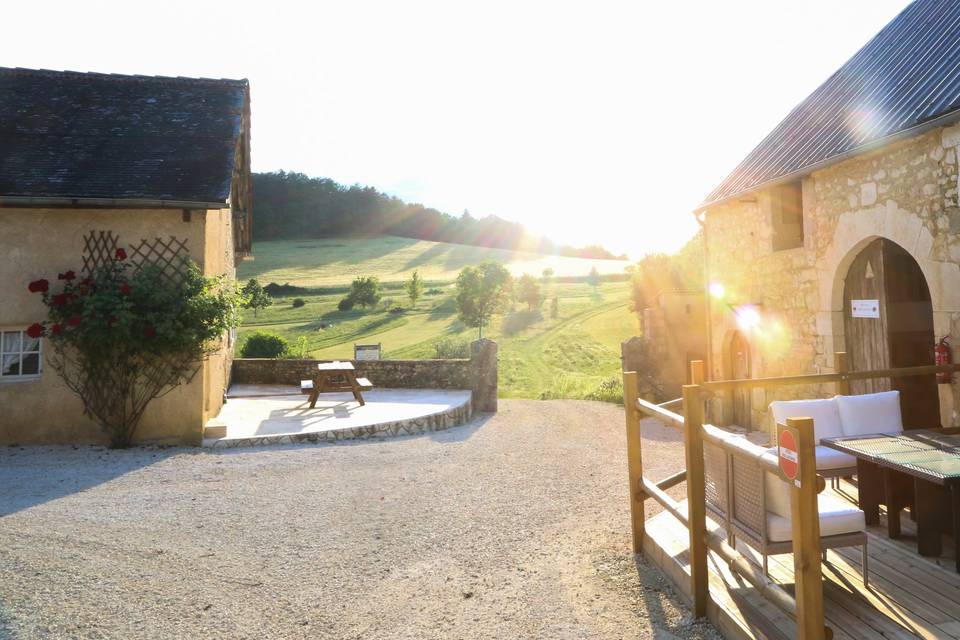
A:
99,250
170,255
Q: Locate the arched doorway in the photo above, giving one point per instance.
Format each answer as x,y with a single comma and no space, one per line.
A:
888,323
738,359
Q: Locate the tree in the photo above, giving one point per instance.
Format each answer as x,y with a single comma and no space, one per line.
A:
414,288
528,291
256,297
124,336
365,291
547,274
593,278
481,292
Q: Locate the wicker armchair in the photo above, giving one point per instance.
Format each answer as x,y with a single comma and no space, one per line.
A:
754,505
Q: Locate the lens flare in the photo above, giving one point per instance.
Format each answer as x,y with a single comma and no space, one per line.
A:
748,318
717,290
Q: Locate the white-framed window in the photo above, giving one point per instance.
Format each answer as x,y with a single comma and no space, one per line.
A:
21,356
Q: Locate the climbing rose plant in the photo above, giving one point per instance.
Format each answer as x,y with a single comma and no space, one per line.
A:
122,337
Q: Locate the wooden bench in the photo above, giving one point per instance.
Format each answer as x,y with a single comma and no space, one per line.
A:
333,377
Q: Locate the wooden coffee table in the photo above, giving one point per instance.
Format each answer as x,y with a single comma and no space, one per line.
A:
918,468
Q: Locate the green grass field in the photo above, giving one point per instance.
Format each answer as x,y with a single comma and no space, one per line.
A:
567,356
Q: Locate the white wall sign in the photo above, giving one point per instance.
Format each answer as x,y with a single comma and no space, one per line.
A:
865,308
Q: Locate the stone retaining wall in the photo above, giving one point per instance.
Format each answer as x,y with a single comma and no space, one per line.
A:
478,374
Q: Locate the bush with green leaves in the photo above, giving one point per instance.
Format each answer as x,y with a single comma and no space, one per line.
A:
482,292
346,304
125,335
262,344
365,291
256,297
298,302
452,348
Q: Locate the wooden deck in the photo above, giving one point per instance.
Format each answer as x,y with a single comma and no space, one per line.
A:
909,596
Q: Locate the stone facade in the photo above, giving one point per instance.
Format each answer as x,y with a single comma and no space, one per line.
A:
906,192
675,329
478,374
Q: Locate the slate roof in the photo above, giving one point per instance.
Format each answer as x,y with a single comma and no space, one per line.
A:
65,134
907,76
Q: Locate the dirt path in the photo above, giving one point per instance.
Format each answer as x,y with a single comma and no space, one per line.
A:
512,527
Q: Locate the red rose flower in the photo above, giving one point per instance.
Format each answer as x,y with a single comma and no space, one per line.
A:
56,328
68,276
121,254
59,299
74,321
39,286
35,330
125,288
149,332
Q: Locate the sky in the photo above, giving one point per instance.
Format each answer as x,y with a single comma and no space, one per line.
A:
591,122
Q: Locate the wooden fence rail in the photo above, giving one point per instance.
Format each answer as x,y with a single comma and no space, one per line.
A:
807,607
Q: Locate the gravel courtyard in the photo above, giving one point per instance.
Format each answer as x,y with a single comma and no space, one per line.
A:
514,526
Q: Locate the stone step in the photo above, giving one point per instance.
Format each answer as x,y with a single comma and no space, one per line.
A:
215,428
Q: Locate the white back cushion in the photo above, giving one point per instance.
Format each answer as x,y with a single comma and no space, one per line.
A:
826,417
870,413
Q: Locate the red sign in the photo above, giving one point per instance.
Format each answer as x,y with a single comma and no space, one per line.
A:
789,461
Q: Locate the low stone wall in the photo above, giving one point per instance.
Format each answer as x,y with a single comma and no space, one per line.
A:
478,373
389,374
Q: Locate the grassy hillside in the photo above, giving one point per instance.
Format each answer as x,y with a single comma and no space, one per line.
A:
540,356
336,261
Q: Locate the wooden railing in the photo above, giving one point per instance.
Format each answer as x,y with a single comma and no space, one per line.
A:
807,606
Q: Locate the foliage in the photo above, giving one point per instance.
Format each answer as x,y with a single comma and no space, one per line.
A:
657,272
298,302
345,304
256,297
365,291
547,274
610,390
434,291
277,290
481,292
593,278
554,308
262,344
528,292
451,348
387,303
293,205
122,337
414,288
299,350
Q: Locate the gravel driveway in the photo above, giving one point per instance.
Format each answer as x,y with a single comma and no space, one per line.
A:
514,526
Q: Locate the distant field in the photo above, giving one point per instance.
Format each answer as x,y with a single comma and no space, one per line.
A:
335,261
568,356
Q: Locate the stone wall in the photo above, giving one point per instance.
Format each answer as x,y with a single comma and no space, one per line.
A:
906,192
478,374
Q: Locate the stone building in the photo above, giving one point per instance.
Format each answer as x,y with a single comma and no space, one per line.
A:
674,328
90,163
839,231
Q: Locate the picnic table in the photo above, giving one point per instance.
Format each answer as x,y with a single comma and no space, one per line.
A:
332,377
918,469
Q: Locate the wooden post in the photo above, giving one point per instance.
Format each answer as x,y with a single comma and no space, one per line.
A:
696,372
805,515
631,393
696,497
842,366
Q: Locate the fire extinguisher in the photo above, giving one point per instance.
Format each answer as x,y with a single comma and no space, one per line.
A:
942,356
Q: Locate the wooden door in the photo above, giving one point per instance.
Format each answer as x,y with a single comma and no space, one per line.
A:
866,338
740,370
902,335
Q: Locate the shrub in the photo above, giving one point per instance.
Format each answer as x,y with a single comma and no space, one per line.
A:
449,348
610,390
264,345
298,302
434,291
346,304
365,291
397,309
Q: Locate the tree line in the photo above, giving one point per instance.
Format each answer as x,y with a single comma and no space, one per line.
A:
294,205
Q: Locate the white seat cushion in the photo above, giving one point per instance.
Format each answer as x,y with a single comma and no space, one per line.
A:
829,459
837,517
870,413
826,417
